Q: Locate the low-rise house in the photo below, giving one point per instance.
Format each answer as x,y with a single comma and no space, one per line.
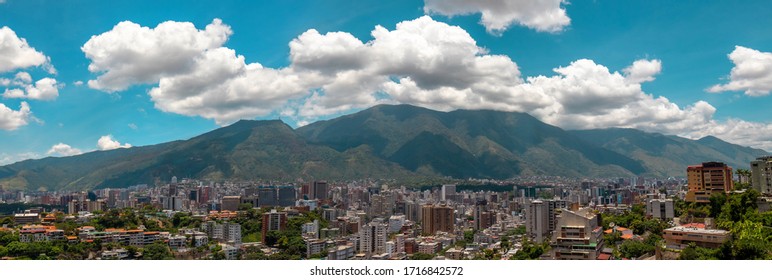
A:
117,254
681,236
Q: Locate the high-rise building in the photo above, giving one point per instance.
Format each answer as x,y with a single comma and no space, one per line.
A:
231,203
267,197
448,192
541,217
305,191
273,221
206,194
536,220
552,206
413,211
194,195
577,235
75,206
437,218
286,196
373,236
761,174
173,203
319,190
482,217
707,179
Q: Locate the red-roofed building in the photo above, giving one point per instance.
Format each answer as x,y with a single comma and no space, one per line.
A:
694,225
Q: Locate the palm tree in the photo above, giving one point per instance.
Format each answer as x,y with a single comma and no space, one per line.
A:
744,175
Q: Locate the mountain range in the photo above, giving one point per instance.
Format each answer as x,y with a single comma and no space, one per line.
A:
386,141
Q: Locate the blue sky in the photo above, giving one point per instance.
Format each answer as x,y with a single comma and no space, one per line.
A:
659,66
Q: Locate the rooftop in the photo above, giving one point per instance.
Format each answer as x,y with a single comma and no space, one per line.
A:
26,215
697,230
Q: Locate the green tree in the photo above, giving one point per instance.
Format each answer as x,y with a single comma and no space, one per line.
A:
530,251
469,236
749,241
6,221
157,251
8,237
505,243
717,201
635,248
739,207
612,238
245,206
692,252
181,219
519,230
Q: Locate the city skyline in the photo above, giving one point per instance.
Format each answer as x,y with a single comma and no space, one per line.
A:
69,85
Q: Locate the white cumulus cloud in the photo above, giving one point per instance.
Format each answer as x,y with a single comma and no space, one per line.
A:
62,149
132,54
16,53
752,72
643,70
43,89
23,78
11,120
498,15
108,143
421,62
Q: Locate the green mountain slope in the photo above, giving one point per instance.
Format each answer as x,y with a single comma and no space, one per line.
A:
244,150
389,141
479,143
666,155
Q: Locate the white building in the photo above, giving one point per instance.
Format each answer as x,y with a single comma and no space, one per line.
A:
396,222
231,252
399,241
761,174
310,230
314,246
429,247
373,236
391,248
660,208
177,242
536,220
578,235
200,240
342,252
117,254
232,233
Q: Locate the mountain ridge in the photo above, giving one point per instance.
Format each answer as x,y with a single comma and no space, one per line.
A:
385,141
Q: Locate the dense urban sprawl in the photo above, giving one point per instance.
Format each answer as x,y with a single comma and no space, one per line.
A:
714,213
